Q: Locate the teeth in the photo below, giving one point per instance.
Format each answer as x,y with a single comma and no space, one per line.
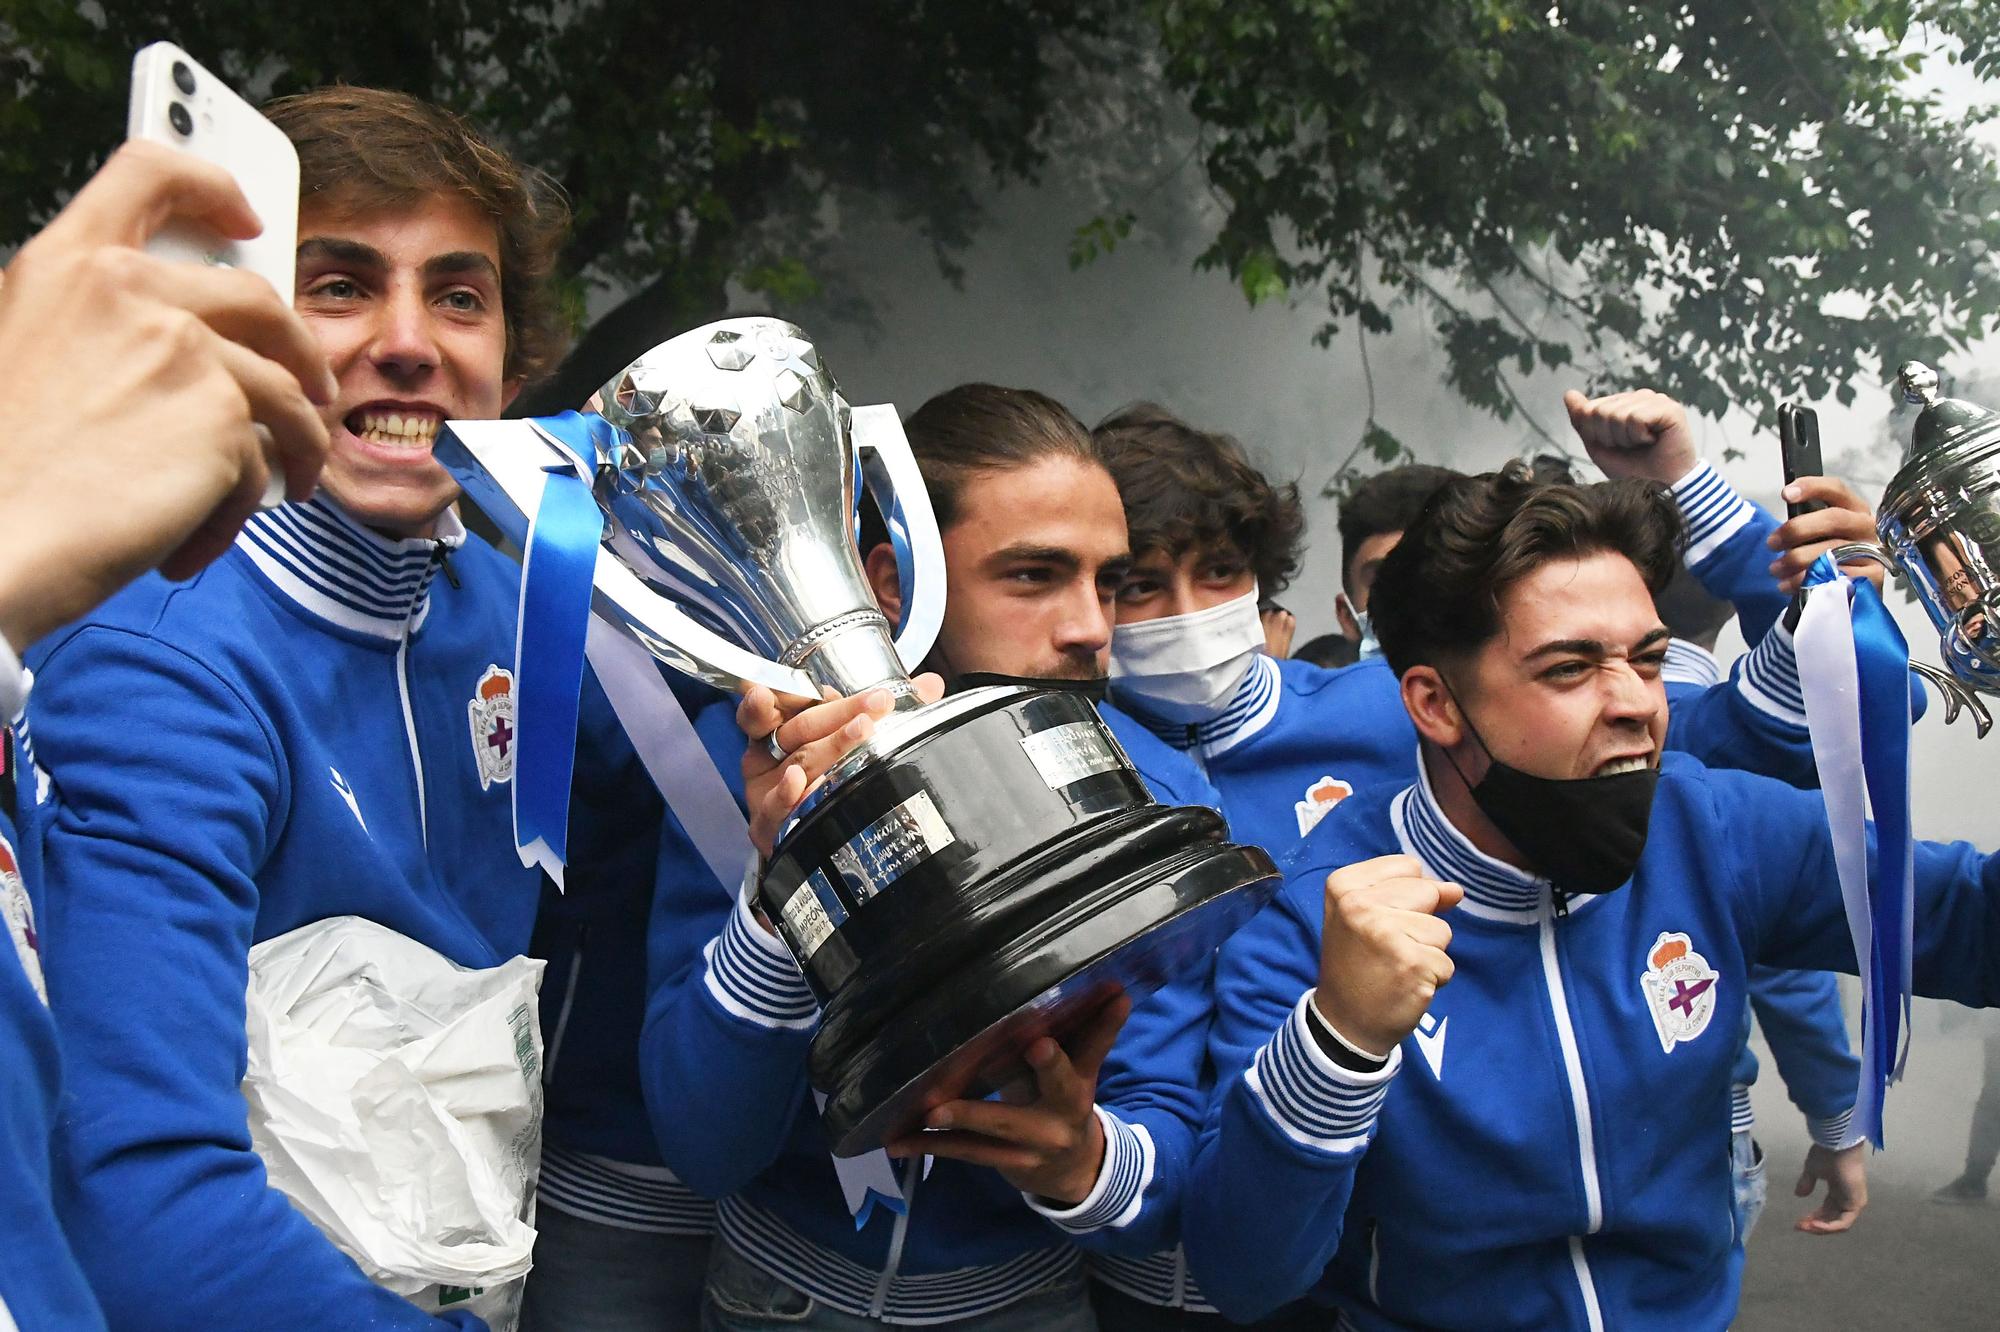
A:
1617,766
396,428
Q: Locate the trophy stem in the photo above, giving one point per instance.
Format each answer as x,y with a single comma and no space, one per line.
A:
853,652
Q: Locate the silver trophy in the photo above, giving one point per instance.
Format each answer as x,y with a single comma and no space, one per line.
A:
981,872
1939,522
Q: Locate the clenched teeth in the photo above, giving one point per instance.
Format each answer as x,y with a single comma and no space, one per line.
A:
408,430
1638,763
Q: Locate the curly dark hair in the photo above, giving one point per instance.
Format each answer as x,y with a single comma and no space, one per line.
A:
1186,489
1385,502
1437,595
362,149
986,428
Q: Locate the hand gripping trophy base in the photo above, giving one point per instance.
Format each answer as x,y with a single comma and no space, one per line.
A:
995,877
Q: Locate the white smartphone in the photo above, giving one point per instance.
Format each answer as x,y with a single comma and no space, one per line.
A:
178,103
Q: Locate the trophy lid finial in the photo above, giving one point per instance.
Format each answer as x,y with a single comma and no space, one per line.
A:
1920,383
1943,423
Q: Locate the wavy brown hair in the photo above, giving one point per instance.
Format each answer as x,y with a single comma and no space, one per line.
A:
1437,595
364,150
1197,489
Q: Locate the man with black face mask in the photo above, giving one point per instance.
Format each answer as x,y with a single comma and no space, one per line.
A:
1557,1153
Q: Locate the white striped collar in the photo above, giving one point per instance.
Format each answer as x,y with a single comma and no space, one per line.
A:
1493,888
1256,702
1690,663
317,557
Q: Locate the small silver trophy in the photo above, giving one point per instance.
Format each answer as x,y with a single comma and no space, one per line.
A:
1939,522
982,871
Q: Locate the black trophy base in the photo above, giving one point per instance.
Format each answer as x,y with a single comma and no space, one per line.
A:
966,1040
991,875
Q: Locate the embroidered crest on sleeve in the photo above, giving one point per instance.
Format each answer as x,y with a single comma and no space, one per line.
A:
1320,799
20,914
493,738
1680,989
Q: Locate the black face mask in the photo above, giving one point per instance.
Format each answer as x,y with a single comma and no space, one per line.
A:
1583,834
1094,690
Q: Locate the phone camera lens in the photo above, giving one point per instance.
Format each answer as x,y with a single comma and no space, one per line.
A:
178,117
183,77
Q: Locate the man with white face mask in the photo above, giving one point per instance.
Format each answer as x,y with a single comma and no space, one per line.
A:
1284,741
1372,519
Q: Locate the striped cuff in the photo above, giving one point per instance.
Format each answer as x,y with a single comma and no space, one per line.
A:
1768,678
752,975
1121,1181
1831,1132
1315,1101
1690,664
1713,509
1742,1114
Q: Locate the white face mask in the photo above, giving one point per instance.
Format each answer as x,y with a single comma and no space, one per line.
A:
1367,647
1187,668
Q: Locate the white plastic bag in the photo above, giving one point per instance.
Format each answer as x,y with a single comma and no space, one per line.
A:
396,1099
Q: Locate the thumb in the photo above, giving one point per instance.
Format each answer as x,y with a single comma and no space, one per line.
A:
1804,1188
1449,895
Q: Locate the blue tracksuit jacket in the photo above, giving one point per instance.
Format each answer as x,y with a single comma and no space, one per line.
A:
42,1288
724,1062
600,1160
1550,1148
318,725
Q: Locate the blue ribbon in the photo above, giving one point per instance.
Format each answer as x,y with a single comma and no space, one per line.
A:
559,557
1882,662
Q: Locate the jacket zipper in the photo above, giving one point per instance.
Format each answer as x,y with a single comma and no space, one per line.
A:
1579,1093
410,733
562,1014
912,1172
1375,1263
439,554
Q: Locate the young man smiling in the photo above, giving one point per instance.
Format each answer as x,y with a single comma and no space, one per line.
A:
286,737
1564,1160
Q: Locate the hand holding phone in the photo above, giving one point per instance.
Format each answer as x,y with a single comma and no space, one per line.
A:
1798,439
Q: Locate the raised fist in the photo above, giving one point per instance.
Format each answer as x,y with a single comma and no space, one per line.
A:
1382,952
1641,433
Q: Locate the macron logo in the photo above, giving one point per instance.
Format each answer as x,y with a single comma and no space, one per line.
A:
346,793
1429,1037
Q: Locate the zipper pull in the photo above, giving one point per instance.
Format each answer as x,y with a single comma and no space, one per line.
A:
443,553
1560,899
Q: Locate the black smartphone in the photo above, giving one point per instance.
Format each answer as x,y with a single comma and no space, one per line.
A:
1798,437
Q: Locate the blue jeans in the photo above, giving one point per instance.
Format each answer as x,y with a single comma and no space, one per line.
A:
590,1277
744,1298
1746,1161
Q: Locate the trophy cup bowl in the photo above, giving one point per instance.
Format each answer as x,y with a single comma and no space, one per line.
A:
984,870
1939,524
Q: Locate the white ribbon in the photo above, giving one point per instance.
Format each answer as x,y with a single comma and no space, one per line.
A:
1829,680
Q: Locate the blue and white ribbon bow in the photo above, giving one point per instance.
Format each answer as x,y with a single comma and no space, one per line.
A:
558,556
1854,674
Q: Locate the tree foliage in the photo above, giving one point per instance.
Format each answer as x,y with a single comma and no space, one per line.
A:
700,144
1737,201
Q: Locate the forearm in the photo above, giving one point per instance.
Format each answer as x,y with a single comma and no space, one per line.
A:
1726,549
1267,1196
723,1057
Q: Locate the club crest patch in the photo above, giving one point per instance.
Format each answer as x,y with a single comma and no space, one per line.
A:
493,725
1680,989
20,914
1320,799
